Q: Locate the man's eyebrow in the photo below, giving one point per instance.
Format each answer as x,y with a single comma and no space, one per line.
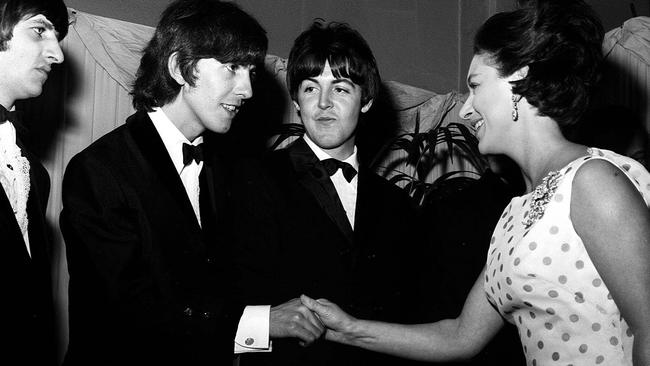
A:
344,81
43,22
336,81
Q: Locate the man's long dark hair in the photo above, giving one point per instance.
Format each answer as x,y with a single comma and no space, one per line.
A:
195,30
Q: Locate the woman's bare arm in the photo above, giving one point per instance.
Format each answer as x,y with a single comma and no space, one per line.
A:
449,339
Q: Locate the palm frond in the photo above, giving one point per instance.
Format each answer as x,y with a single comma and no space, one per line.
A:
422,154
286,130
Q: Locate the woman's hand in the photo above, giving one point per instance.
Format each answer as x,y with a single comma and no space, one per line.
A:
336,320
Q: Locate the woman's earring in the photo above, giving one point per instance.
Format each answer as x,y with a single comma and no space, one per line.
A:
515,111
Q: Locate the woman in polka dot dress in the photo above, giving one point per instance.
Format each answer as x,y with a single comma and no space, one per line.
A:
569,261
543,264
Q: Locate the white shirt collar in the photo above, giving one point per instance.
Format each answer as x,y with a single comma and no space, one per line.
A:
7,134
171,136
322,155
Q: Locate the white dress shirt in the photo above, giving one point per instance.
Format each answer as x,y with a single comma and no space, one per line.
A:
347,191
173,139
253,330
14,177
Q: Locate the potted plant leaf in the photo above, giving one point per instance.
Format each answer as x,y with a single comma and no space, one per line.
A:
422,151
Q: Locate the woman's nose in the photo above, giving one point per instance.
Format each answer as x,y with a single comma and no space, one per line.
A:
467,111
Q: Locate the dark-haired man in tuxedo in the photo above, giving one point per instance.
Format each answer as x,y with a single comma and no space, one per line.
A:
30,31
145,207
313,218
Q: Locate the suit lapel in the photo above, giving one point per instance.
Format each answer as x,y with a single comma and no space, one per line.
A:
366,207
312,176
212,201
149,143
10,229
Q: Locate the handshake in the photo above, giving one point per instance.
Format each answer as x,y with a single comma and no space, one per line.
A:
308,320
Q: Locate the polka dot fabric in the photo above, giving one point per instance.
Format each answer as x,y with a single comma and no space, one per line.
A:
542,280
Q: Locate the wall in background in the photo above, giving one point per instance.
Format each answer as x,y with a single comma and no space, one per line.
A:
424,43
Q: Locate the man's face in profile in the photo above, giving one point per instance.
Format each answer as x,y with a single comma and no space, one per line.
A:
28,59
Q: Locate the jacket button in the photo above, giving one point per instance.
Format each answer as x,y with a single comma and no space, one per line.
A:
206,315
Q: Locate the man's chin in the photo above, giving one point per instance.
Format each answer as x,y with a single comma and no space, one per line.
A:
32,92
326,145
220,127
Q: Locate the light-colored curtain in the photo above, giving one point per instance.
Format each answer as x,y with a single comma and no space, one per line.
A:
628,48
625,89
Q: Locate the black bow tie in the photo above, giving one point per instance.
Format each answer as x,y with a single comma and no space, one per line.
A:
5,115
332,165
192,152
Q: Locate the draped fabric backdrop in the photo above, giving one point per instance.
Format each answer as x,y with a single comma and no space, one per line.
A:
88,96
628,48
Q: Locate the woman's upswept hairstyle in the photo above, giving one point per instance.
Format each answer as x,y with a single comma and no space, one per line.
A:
561,43
14,11
195,30
346,51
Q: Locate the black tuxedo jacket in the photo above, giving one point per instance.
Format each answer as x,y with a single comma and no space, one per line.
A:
148,285
26,282
294,238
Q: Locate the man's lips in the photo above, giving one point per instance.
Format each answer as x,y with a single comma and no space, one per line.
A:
45,68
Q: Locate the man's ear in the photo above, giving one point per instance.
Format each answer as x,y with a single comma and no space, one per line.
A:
295,104
174,69
367,106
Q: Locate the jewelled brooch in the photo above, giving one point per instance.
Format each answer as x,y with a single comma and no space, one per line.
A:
541,197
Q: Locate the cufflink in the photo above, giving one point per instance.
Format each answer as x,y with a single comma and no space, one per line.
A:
249,341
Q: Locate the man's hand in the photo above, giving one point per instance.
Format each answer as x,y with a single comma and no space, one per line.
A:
293,320
336,320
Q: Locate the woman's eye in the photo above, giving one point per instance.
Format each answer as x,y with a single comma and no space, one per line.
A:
39,30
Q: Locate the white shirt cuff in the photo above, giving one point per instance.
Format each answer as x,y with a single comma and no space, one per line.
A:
253,330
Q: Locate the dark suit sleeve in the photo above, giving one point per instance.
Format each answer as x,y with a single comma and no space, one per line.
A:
124,299
100,229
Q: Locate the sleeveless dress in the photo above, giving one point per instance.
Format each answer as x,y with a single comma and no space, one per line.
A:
540,277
